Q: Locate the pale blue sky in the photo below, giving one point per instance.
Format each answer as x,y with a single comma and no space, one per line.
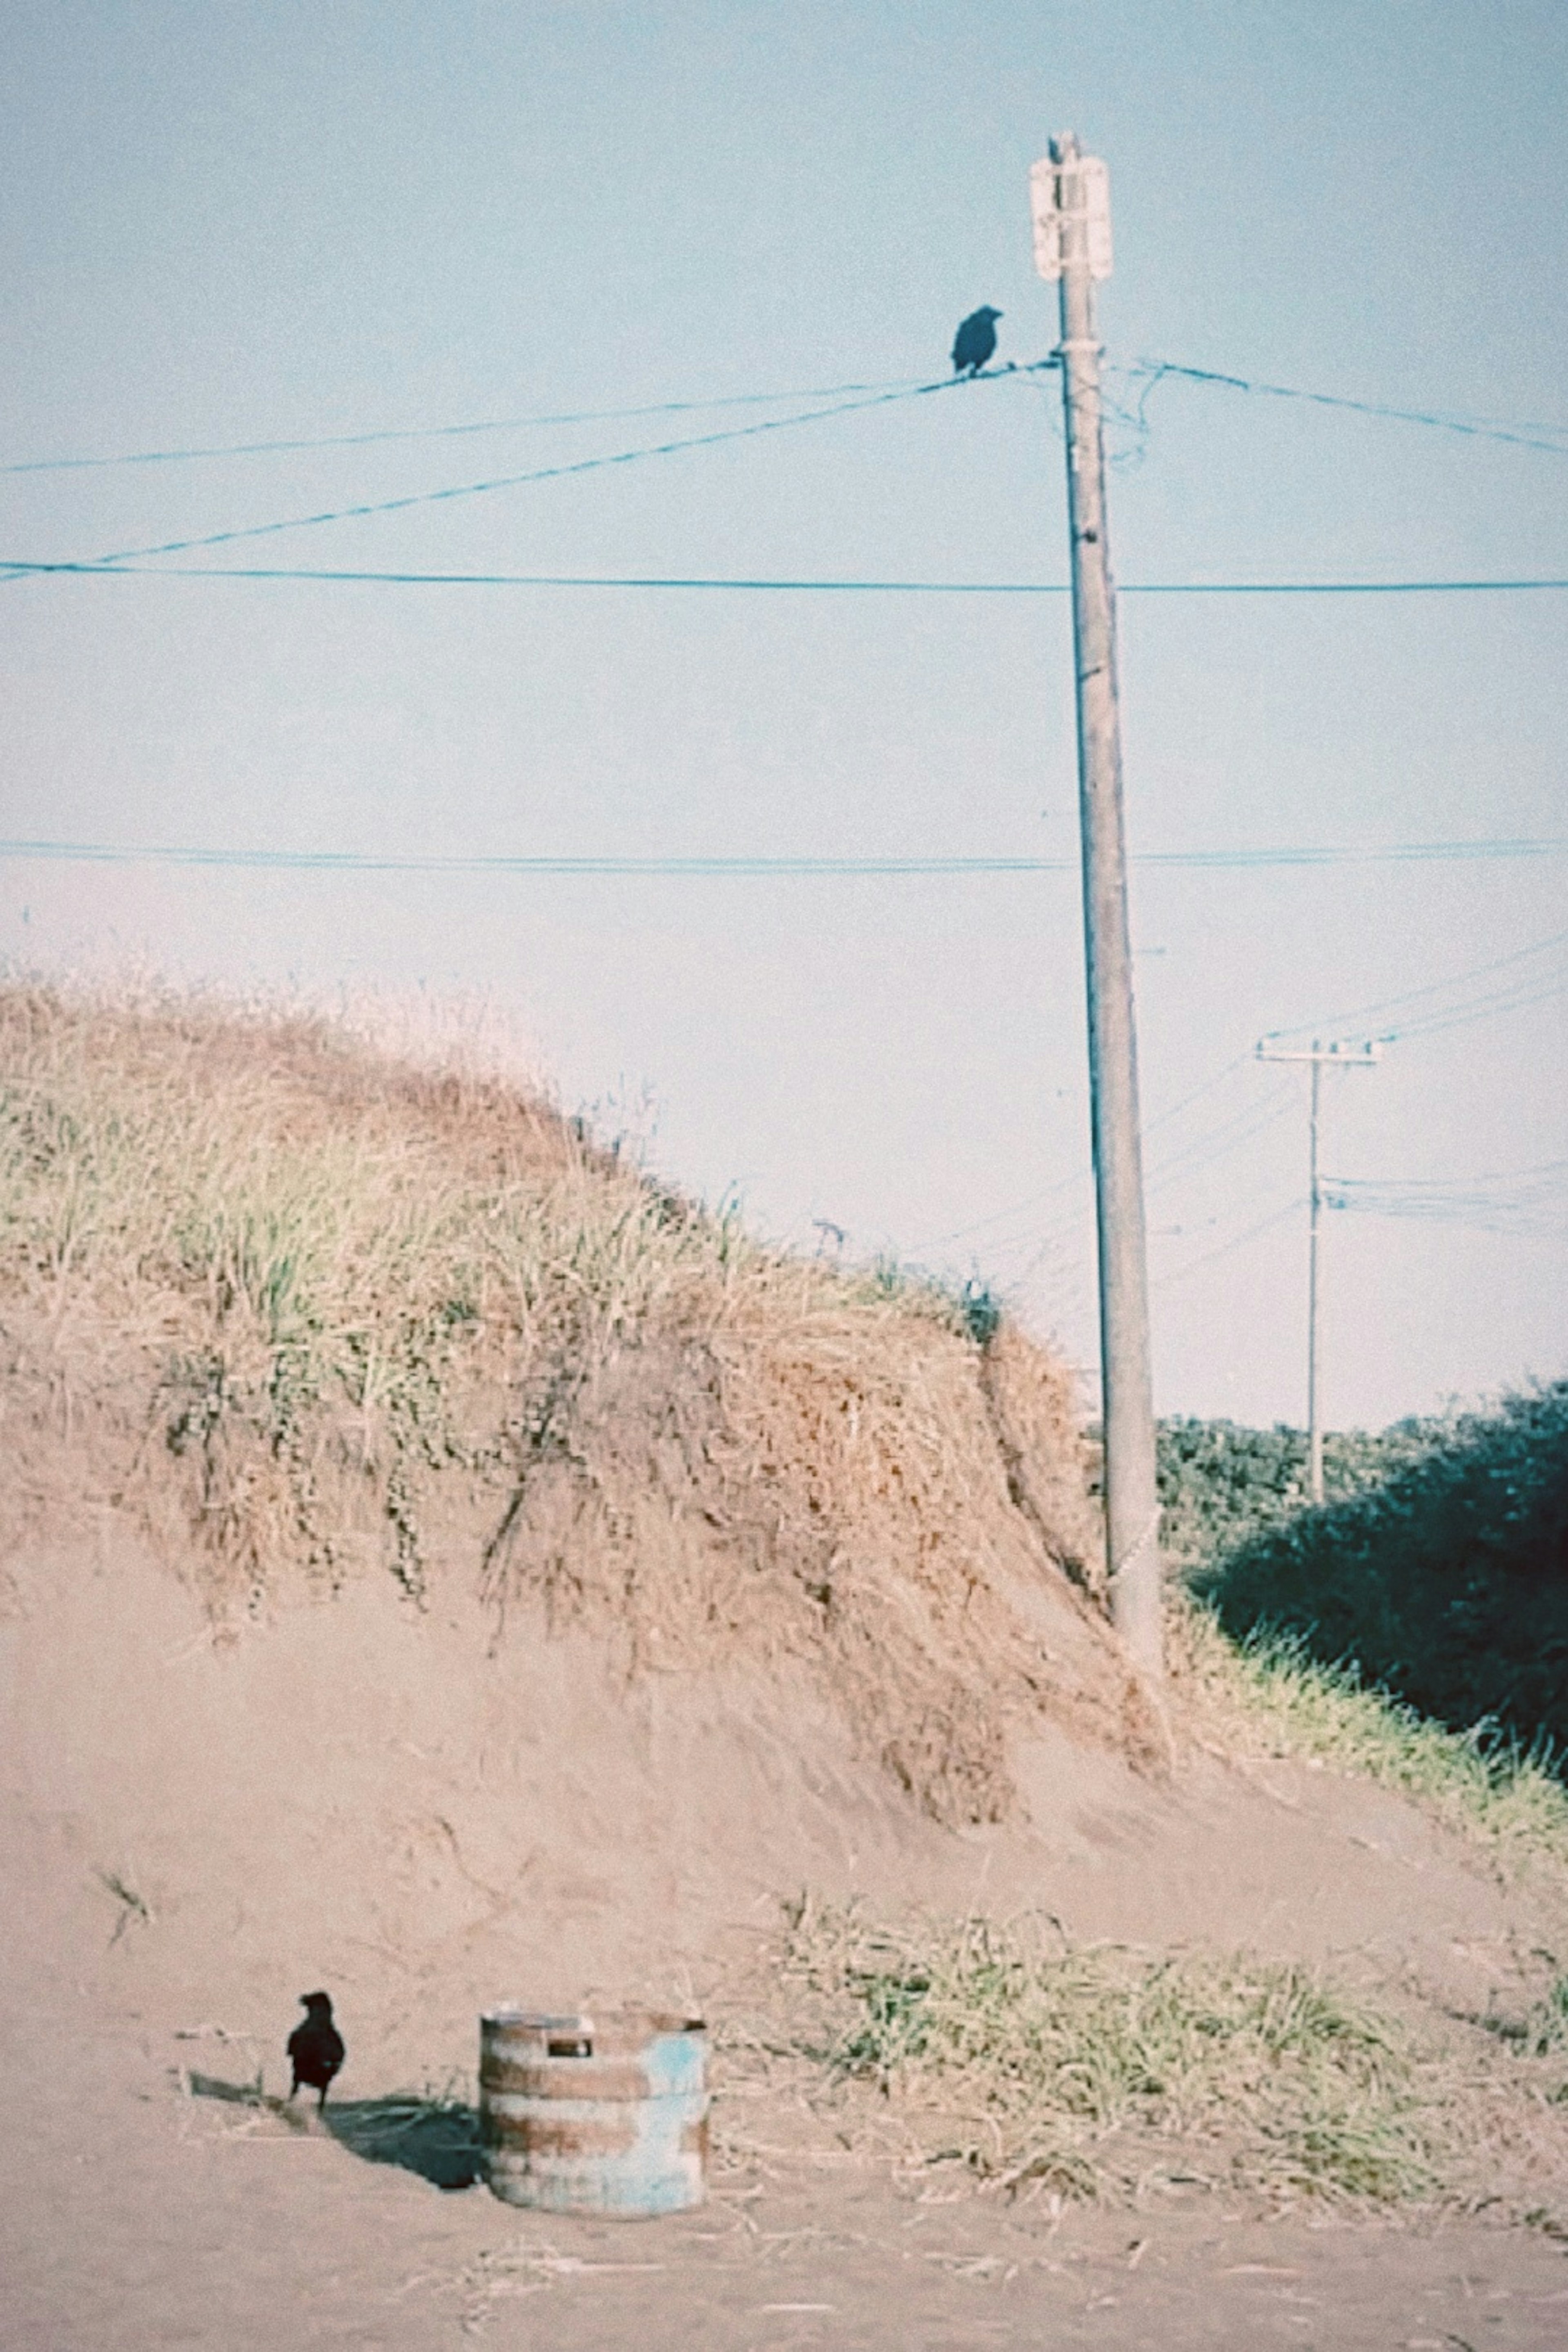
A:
223,224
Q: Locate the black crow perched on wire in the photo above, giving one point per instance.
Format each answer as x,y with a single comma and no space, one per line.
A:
975,341
316,2049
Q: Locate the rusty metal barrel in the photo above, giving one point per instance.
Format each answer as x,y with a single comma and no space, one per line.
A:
606,2114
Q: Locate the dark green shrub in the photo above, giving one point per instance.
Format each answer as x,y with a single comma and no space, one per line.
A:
1438,1566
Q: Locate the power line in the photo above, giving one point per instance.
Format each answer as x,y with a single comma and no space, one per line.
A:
1149,372
1482,1008
1456,1199
1356,853
335,861
1523,1221
1335,587
1476,428
1514,998
1264,1225
1509,1201
125,568
1075,1177
1242,1128
1431,988
1437,1184
1190,1158
110,568
445,432
537,473
1206,1087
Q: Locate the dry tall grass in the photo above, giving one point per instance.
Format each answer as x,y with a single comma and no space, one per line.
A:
1093,2069
329,1311
1099,2071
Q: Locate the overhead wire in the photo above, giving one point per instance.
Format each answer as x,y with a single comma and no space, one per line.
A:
1536,1209
1430,988
535,474
1174,1110
1551,438
443,432
131,566
1207,1152
1202,1151
335,861
1491,1006
1451,1200
1558,1168
1146,372
1074,1177
1500,1193
1484,1008
861,396
1237,1241
1455,1200
1232,1134
1243,1127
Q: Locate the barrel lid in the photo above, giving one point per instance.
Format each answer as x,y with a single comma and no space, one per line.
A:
535,2021
603,2032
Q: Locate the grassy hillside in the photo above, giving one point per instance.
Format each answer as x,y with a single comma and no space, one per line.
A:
315,1313
400,1373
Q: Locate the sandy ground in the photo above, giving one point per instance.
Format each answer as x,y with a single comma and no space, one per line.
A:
131,2217
355,1796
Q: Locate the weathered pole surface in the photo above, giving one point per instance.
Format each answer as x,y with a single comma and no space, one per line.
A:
1132,1483
1314,1420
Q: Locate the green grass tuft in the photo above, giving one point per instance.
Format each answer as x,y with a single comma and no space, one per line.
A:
1269,1690
1091,2071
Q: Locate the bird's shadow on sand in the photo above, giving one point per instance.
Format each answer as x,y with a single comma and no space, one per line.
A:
437,2139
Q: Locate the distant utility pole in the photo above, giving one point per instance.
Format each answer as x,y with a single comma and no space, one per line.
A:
1071,207
1321,1057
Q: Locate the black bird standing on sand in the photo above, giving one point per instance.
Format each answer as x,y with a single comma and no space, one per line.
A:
316,2048
975,341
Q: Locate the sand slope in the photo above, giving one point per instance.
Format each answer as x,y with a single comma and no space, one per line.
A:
356,1793
384,1800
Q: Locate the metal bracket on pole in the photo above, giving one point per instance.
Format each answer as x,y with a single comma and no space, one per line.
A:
1071,190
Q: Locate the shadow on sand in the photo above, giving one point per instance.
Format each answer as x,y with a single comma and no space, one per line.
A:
437,2139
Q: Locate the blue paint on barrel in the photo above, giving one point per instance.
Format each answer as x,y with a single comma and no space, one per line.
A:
602,2115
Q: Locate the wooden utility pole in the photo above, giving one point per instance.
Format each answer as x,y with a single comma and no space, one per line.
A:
1341,1058
1072,243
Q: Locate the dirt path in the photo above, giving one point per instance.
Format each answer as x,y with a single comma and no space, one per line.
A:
132,2218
